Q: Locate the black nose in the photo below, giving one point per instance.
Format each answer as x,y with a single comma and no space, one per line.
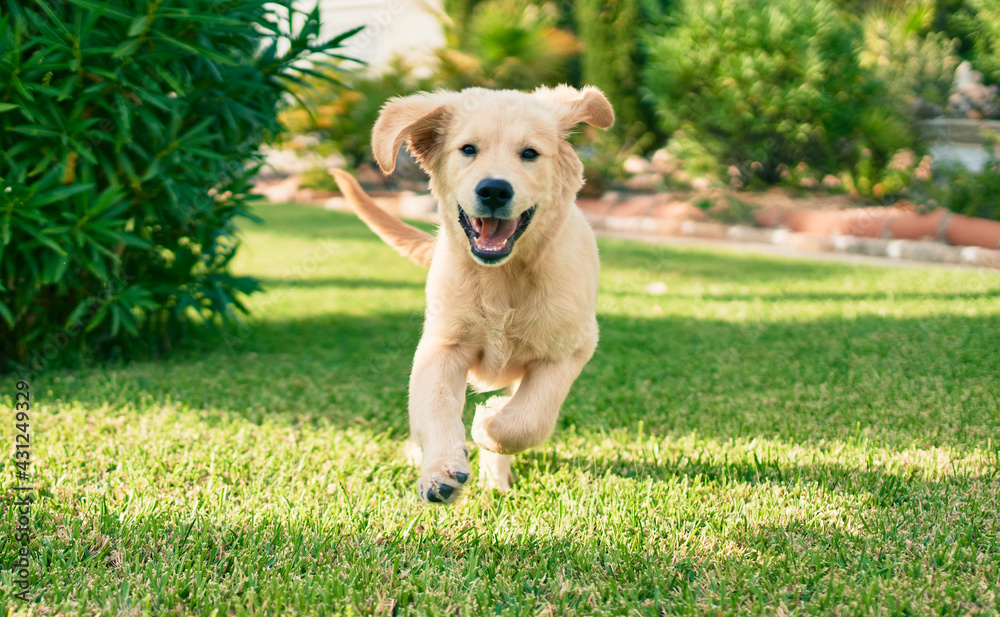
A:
494,193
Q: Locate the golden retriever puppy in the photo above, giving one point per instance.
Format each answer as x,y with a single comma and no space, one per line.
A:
512,287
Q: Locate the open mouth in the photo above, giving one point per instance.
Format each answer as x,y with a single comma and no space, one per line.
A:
492,239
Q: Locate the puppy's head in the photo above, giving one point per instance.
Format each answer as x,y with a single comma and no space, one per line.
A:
499,162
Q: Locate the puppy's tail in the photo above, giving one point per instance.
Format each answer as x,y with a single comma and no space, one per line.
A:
408,241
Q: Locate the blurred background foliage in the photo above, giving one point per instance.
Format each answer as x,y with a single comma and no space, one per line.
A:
505,44
821,94
340,113
916,63
766,85
130,132
976,24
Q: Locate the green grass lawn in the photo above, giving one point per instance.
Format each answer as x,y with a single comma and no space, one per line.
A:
767,436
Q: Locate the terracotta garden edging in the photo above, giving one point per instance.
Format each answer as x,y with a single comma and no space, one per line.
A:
818,241
897,223
892,233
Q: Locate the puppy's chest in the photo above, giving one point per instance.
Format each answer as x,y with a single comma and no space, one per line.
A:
519,330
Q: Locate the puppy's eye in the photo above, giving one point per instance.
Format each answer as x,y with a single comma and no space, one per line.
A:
529,154
468,150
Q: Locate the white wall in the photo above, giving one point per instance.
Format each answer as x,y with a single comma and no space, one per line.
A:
407,27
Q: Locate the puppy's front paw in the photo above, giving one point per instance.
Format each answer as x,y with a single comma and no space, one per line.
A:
442,476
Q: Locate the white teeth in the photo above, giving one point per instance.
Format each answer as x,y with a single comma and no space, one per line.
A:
500,247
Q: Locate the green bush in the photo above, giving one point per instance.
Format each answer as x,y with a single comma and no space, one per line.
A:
612,52
765,84
916,64
129,133
611,59
883,159
978,24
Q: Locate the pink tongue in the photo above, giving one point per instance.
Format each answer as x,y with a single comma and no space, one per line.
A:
495,232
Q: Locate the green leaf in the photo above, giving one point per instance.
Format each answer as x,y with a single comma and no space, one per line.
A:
36,131
340,38
138,26
68,87
61,194
123,238
188,16
115,319
103,8
40,237
54,269
6,314
7,107
81,308
127,48
99,317
5,228
195,49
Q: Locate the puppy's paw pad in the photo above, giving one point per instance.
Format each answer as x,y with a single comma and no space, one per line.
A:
441,481
440,494
439,490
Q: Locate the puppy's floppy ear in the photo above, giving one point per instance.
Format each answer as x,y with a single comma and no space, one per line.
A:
575,106
418,118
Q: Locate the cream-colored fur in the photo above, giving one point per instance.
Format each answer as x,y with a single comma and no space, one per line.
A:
526,324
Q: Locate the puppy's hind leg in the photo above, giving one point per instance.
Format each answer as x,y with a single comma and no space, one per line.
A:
494,470
412,453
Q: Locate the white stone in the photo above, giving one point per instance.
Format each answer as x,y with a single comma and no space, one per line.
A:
656,289
701,183
636,165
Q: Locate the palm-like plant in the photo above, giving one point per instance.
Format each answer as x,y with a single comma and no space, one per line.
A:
506,44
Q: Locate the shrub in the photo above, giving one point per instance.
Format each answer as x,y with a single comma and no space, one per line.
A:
506,44
916,65
972,193
610,60
883,158
129,133
765,84
978,23
611,57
